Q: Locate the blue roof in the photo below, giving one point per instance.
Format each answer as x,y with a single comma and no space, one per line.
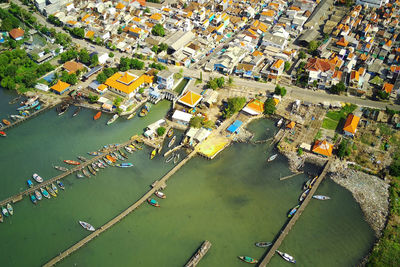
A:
234,127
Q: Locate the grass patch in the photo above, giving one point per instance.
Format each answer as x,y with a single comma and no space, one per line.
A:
318,135
181,85
329,124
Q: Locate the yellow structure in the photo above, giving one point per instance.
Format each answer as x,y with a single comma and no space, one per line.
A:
126,83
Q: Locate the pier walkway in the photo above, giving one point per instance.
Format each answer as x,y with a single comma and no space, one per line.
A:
195,259
19,196
122,215
267,257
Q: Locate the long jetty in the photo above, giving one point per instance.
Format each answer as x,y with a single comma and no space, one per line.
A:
15,123
195,259
156,186
19,196
267,257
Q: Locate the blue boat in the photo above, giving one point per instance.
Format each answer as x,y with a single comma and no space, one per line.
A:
33,199
124,165
30,184
45,193
38,107
26,107
293,211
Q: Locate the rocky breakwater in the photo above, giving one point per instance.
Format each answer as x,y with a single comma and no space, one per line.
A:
369,191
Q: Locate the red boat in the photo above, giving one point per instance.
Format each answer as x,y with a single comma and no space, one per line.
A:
97,116
72,162
3,134
6,122
111,158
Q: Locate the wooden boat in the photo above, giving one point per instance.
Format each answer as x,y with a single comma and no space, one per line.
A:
91,170
95,167
170,132
176,158
293,211
63,169
160,194
307,184
172,141
16,117
29,182
86,173
4,211
248,259
97,116
51,191
60,185
79,175
122,154
143,112
118,156
263,244
320,197
38,195
72,162
128,149
15,100
37,178
94,153
87,226
132,147
29,100
1,218
102,162
286,257
111,158
3,134
54,187
45,193
170,158
62,109
29,106
101,165
76,112
131,116
304,195
38,107
109,162
272,157
153,153
83,159
313,181
113,119
10,209
6,122
124,165
153,202
33,199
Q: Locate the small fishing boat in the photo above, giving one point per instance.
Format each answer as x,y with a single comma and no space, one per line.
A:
95,167
122,154
29,106
320,197
45,193
38,195
91,170
76,112
113,119
63,169
172,141
72,162
10,209
86,173
51,191
263,244
54,187
15,100
87,226
286,257
3,134
293,211
60,185
138,147
29,100
131,116
6,122
170,158
118,156
160,194
170,132
62,109
124,165
16,117
103,163
304,195
100,165
176,158
111,158
37,178
143,112
279,123
97,116
25,113
132,147
313,181
33,199
307,184
248,259
79,175
272,157
4,211
38,107
128,149
94,153
108,162
153,202
83,159
29,182
153,153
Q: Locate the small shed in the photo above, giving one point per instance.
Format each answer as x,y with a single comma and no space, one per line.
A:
181,117
235,127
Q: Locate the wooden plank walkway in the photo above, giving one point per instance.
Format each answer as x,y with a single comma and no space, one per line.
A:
19,196
119,217
290,176
267,257
200,253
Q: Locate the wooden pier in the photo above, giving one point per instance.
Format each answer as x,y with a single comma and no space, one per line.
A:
156,186
172,150
19,196
195,259
290,176
267,257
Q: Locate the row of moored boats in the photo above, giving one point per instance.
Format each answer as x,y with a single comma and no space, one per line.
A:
6,212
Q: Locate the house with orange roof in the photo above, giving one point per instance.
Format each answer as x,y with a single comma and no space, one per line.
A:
60,87
276,69
89,35
322,148
254,107
72,24
190,99
17,34
350,126
156,18
268,15
72,66
355,81
342,42
291,125
387,87
126,84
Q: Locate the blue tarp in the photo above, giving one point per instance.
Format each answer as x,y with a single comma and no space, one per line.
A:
49,78
234,127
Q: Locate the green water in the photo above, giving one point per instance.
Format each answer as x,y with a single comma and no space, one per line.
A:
232,201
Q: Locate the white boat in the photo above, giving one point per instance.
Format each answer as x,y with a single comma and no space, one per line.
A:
304,195
272,157
286,257
87,226
176,158
16,117
37,178
321,197
131,116
279,123
114,118
170,158
172,141
160,194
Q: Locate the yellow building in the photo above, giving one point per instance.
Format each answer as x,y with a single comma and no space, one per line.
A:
126,83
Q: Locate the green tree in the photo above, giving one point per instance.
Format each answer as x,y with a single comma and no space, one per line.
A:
8,83
93,98
161,131
280,90
338,88
269,106
212,84
234,105
220,82
146,10
111,54
158,30
84,56
196,122
163,47
155,49
383,94
344,149
117,101
287,66
94,60
101,78
312,46
315,83
302,55
72,79
78,32
201,76
299,151
136,64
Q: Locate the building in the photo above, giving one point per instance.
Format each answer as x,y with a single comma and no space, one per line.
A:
322,148
60,87
321,71
372,3
126,84
17,34
270,39
165,79
178,40
235,127
181,117
190,99
276,69
254,107
350,126
72,66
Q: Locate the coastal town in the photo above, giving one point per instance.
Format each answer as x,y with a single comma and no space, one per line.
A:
326,73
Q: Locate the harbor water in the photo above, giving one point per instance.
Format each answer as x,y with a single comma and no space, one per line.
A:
233,201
